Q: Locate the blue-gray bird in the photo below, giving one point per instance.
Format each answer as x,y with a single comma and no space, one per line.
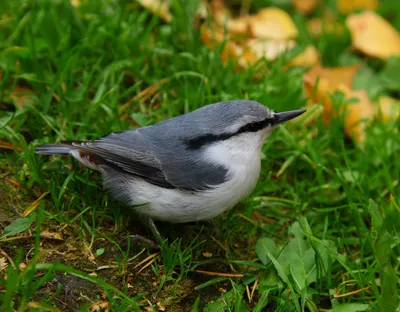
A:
188,168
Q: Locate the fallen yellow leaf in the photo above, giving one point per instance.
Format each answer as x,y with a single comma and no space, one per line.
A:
272,23
388,108
308,58
305,6
270,49
158,7
213,37
357,115
334,75
75,3
350,6
223,18
340,79
373,35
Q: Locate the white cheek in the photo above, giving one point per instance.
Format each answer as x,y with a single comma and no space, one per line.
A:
238,149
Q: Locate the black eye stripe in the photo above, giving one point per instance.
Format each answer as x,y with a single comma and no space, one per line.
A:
198,142
255,126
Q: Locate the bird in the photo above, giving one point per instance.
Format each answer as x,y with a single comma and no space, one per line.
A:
188,168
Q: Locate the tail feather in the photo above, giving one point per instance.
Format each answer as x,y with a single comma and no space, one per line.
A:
63,148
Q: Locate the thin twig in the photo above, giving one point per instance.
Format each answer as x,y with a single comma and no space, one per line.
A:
254,289
209,273
350,293
149,263
248,292
145,260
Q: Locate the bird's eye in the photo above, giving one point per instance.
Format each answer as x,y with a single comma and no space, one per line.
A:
252,127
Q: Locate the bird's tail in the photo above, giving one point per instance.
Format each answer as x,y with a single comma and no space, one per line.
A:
62,148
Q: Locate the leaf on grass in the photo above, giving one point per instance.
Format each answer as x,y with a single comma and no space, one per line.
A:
34,205
305,6
350,307
297,270
269,49
357,115
263,246
308,58
388,108
389,293
18,226
373,35
299,252
350,6
246,39
75,3
214,37
158,7
340,79
334,75
51,235
376,215
272,23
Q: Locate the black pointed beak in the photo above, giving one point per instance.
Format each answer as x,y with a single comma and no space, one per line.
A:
285,116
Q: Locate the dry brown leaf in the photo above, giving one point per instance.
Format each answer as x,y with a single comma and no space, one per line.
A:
223,18
272,23
388,108
21,96
99,306
160,306
213,37
350,6
373,35
334,75
51,235
207,254
308,58
357,115
318,27
9,146
219,12
305,6
158,7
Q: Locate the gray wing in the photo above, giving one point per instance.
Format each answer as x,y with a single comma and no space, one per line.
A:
132,156
162,161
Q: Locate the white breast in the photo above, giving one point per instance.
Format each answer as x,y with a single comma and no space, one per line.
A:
242,155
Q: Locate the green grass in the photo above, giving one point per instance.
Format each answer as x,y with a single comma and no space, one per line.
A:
323,234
